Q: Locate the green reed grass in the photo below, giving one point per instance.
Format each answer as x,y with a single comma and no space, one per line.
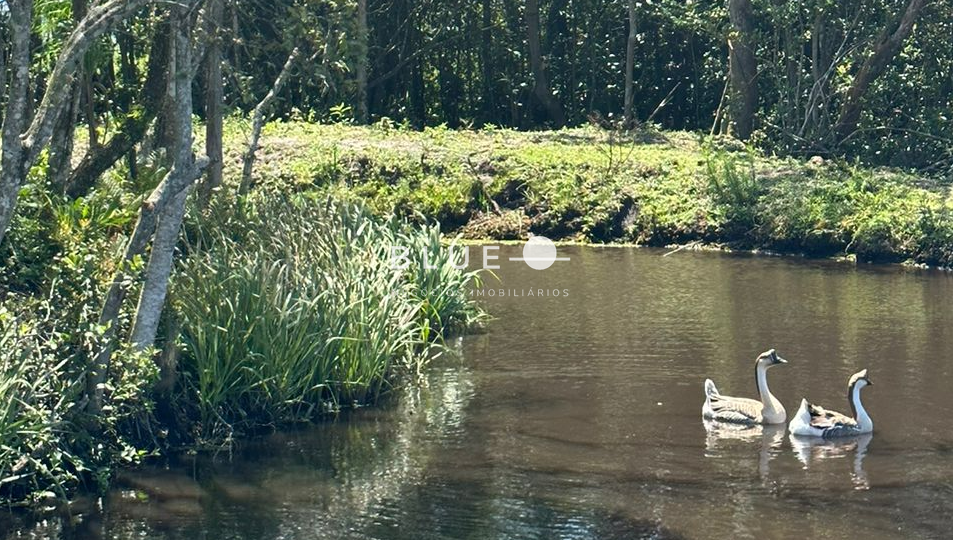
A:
294,307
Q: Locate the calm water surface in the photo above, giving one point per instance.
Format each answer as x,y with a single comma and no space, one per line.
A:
578,417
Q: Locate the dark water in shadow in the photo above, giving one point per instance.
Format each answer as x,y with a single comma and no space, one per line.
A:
578,417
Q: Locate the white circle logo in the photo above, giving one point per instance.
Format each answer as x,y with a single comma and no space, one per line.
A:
539,253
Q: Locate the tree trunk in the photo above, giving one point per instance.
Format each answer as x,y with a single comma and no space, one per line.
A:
541,86
20,152
486,65
162,210
135,123
743,99
363,36
259,118
60,154
630,60
12,159
4,31
157,274
79,8
129,81
886,48
213,103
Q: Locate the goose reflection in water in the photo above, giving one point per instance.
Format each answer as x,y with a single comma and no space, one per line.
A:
770,437
810,450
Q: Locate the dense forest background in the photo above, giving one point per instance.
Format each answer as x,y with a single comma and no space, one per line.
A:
799,68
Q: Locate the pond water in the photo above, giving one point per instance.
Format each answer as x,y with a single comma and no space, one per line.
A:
577,415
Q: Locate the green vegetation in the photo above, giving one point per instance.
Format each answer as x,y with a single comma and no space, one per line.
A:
141,315
283,308
295,308
592,185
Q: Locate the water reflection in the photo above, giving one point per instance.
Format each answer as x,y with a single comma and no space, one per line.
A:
720,434
810,450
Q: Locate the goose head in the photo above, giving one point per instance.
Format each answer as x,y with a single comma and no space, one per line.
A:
769,358
858,380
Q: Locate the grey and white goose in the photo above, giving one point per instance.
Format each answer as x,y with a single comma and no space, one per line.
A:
815,421
739,410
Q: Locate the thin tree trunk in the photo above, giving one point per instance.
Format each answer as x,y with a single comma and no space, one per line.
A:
129,80
79,8
259,118
157,274
175,182
486,64
887,47
743,99
22,151
12,159
60,154
363,36
89,109
631,59
134,127
214,103
541,86
161,211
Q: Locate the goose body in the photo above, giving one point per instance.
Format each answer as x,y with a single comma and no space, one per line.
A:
815,421
739,410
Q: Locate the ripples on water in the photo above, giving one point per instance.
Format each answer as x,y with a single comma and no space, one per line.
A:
578,417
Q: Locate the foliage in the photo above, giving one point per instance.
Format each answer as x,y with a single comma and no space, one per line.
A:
732,184
295,308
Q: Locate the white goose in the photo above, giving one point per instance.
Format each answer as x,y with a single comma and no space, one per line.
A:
743,410
815,421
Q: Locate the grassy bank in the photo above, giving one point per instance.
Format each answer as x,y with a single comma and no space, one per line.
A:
589,185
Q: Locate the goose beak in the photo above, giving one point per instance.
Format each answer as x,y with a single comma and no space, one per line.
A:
868,381
780,360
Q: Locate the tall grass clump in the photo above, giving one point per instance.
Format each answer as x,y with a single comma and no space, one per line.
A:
294,306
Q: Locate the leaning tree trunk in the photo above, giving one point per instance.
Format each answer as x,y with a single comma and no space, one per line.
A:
158,212
21,150
541,86
60,154
743,99
213,103
260,117
886,48
631,58
157,274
